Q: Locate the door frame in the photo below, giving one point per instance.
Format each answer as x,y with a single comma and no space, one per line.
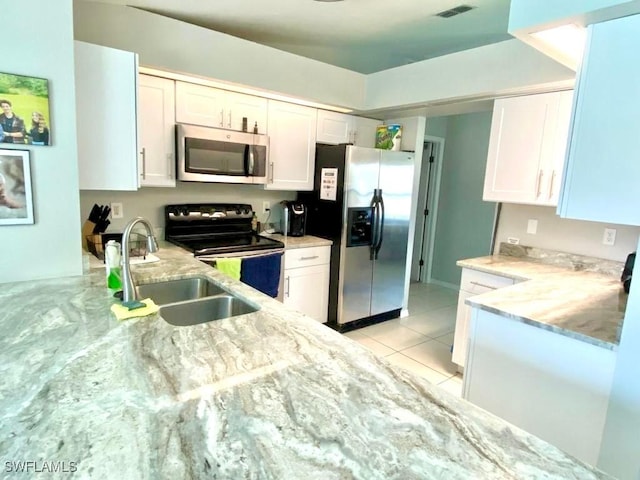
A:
428,247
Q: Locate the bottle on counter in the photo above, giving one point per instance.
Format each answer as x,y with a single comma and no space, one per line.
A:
255,128
112,253
254,223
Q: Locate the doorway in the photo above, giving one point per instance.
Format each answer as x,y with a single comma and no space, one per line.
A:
426,215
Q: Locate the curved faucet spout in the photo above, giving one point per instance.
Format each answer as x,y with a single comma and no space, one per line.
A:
128,288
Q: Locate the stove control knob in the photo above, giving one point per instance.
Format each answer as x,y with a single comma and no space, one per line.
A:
246,211
174,211
185,211
238,211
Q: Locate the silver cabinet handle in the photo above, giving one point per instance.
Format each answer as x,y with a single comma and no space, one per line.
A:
144,163
229,118
272,174
553,177
222,118
483,285
286,292
309,258
538,182
170,164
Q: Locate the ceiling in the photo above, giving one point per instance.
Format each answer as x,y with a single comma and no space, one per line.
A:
361,35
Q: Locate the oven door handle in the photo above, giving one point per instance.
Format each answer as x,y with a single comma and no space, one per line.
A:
252,253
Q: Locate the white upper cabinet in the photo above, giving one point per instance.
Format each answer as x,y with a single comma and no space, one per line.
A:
106,86
292,146
335,128
212,107
527,148
603,164
156,131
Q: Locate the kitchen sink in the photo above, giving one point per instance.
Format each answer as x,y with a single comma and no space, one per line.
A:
205,310
173,291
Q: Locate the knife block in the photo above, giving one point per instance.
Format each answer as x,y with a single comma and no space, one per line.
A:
87,230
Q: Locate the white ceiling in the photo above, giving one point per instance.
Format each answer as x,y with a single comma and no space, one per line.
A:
361,35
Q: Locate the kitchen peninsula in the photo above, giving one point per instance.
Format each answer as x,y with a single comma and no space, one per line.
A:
272,394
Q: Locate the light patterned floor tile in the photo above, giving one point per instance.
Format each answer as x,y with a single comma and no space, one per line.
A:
375,346
434,355
453,385
432,324
446,339
417,368
394,335
355,335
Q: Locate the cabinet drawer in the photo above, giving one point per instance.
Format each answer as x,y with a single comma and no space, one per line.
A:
305,257
476,282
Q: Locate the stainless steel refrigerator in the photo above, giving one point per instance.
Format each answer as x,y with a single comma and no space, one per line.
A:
362,202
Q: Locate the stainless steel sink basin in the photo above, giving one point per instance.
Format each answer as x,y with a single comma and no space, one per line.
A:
205,310
173,291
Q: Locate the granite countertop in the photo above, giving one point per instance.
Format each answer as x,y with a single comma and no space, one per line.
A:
576,296
267,395
306,241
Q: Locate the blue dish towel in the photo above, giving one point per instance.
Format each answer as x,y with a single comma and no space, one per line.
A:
262,273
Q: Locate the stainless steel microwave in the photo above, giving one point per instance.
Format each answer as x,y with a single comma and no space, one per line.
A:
215,155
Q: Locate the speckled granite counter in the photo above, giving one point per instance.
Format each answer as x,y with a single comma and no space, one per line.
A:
568,294
306,241
268,395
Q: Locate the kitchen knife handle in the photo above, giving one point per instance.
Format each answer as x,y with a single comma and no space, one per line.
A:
144,163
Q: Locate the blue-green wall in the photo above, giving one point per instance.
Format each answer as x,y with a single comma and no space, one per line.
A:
465,222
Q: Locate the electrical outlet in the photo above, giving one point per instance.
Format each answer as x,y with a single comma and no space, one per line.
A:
609,237
117,210
513,240
266,206
532,226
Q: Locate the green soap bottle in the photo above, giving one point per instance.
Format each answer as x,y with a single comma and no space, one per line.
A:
112,261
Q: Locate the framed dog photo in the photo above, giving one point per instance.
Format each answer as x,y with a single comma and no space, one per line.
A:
16,198
24,110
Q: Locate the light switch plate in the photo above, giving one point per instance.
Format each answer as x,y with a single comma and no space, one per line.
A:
266,205
513,240
116,210
532,226
609,237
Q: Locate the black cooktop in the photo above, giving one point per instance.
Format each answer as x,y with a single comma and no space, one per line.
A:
203,245
214,228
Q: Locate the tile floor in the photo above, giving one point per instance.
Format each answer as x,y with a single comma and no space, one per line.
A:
422,341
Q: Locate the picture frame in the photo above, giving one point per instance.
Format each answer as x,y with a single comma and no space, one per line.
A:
16,195
25,117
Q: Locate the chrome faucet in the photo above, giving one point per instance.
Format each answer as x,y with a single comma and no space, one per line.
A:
128,288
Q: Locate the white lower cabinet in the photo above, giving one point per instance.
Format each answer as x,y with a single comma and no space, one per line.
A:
549,384
472,283
306,281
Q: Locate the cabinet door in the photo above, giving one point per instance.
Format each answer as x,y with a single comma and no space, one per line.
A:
558,138
514,172
292,145
200,105
254,109
601,181
461,333
106,84
156,130
307,289
334,128
365,132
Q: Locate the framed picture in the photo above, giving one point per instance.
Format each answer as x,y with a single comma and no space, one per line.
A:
16,199
24,110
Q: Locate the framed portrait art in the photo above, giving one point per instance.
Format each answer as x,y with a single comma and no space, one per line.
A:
16,198
24,110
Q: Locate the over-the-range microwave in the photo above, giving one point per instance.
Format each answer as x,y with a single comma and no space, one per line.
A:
215,155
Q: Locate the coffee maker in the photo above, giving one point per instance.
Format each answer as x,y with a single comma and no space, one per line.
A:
294,218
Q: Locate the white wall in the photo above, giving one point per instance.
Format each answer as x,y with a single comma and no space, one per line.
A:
169,44
149,202
555,233
505,67
43,47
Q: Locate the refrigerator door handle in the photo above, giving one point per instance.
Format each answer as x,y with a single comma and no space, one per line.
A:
374,224
380,222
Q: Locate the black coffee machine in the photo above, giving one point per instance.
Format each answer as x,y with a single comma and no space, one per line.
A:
294,218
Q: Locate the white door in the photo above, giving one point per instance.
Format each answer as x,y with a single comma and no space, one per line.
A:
156,131
239,106
292,146
307,289
200,105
